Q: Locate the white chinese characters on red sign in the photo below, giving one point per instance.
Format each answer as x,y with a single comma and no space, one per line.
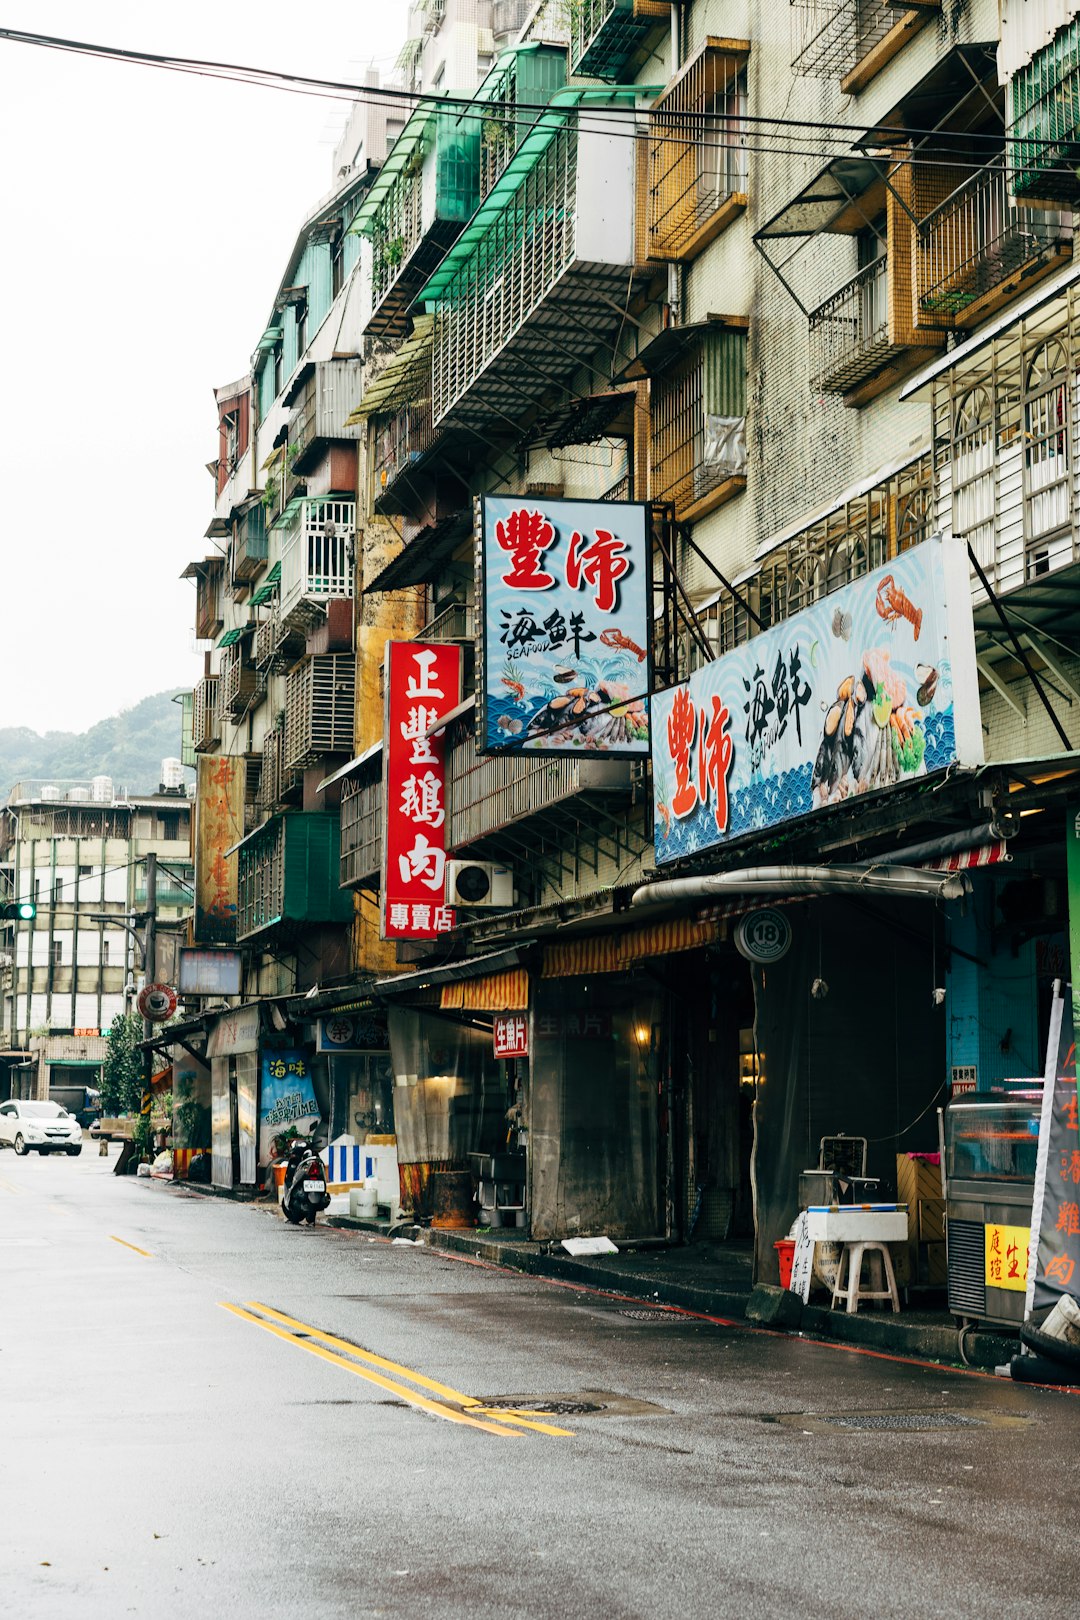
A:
423,683
511,1035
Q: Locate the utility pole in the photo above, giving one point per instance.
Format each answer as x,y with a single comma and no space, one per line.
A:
149,969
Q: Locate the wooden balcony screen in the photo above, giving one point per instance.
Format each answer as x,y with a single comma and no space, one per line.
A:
698,152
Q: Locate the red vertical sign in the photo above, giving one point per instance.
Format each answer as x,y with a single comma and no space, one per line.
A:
423,683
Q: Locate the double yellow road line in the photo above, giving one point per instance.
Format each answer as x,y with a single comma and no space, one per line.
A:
441,1401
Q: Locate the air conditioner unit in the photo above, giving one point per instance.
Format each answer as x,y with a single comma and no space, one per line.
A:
478,883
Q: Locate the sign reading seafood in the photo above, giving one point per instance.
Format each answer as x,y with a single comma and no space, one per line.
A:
566,659
873,686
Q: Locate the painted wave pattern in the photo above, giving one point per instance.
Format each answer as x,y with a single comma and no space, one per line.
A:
768,801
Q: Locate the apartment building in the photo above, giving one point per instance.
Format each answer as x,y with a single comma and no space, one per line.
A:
76,852
788,291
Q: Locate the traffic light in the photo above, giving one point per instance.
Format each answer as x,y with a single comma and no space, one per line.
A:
18,910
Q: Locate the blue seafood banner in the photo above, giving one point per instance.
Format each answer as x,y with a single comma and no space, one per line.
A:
873,686
566,616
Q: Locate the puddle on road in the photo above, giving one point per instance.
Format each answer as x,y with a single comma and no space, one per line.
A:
574,1403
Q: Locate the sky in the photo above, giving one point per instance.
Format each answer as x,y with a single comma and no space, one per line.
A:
146,218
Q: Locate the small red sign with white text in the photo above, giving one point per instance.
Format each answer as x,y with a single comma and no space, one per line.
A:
423,683
511,1035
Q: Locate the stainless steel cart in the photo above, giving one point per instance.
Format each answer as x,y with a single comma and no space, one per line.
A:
991,1143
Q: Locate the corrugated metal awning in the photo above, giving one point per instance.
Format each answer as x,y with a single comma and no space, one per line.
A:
613,952
473,967
353,765
399,379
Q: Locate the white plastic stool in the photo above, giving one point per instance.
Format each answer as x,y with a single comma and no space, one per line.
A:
848,1284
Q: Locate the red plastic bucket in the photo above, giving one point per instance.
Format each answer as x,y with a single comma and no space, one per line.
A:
785,1253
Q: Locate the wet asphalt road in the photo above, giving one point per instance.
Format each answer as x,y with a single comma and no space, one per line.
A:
162,1455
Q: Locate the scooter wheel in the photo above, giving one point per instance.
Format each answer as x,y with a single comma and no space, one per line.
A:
310,1218
293,1219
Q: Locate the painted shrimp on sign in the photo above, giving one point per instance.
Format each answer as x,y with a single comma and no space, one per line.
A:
566,644
423,683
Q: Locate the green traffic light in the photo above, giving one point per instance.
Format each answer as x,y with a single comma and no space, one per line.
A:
27,910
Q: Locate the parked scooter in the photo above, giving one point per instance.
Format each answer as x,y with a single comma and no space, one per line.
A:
304,1192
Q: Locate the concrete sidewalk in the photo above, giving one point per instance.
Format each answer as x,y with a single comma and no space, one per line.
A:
716,1280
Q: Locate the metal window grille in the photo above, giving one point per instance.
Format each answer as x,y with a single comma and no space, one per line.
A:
517,84
849,332
606,35
486,793
1048,434
454,623
361,832
208,619
402,439
261,881
522,255
320,702
709,384
858,536
977,239
238,681
973,475
206,722
697,153
1044,120
829,39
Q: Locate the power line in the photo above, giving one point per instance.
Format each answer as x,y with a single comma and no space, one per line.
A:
470,108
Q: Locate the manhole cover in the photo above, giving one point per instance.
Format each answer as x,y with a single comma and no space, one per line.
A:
894,1422
574,1403
905,1420
646,1316
553,1408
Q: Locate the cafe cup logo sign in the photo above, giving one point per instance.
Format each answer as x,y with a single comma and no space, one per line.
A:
763,936
157,1003
566,666
872,687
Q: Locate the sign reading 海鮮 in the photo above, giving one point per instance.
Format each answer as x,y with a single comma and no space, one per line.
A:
566,657
873,686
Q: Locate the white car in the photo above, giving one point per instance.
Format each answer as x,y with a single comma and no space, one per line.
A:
43,1126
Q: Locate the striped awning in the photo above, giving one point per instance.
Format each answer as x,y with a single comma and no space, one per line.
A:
967,860
494,992
611,953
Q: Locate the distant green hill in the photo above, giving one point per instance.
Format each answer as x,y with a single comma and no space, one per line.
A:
128,746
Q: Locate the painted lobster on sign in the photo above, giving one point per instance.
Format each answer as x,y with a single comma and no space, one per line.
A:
892,603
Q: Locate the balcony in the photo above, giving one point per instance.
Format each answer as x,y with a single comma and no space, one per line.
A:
849,332
611,38
539,277
454,623
522,80
1044,122
975,249
317,546
277,785
288,876
320,704
424,193
361,833
205,718
697,152
697,416
854,39
402,442
239,681
321,409
249,548
277,647
208,576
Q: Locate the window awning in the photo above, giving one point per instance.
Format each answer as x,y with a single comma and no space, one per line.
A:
583,421
262,595
199,570
230,638
842,197
274,576
420,558
402,376
473,967
353,765
672,343
613,952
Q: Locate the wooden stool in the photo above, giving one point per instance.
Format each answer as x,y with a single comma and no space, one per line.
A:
851,1264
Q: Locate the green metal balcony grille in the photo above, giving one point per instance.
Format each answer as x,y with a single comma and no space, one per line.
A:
1044,126
288,873
525,77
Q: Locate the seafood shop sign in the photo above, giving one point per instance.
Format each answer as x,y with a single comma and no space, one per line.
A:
872,687
566,664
